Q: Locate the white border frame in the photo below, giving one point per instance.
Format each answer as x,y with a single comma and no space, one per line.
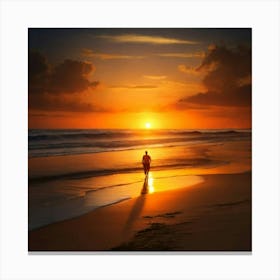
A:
262,16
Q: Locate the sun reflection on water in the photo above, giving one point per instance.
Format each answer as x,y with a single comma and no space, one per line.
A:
151,183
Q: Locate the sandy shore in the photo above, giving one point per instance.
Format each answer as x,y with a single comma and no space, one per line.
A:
214,215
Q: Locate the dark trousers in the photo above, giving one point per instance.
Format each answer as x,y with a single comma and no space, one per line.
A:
146,168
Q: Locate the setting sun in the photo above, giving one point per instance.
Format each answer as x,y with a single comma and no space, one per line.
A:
148,125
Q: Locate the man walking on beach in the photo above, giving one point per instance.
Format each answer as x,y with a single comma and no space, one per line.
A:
146,161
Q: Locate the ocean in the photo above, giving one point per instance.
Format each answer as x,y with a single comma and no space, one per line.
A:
43,143
74,171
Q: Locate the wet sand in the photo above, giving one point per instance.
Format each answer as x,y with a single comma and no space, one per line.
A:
214,215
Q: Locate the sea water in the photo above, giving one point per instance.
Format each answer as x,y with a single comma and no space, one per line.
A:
72,172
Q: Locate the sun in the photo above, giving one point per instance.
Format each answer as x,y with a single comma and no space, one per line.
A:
148,125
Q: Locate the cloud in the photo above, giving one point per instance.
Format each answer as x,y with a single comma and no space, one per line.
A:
151,77
212,47
244,80
38,72
240,96
227,78
188,70
108,56
182,105
134,86
47,102
60,87
144,39
71,76
49,114
183,55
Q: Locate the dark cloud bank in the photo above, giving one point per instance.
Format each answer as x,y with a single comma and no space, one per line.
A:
58,88
227,79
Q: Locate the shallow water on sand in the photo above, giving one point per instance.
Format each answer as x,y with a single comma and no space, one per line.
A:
71,198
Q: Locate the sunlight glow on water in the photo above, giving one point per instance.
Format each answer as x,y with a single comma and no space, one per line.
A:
151,188
113,190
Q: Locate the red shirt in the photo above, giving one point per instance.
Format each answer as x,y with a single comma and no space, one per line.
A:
146,159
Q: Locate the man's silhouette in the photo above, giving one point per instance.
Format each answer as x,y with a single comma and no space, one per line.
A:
146,161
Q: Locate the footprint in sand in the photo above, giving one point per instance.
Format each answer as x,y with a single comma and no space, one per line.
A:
167,215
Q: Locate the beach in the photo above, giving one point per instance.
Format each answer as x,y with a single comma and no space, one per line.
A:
87,191
104,101
214,215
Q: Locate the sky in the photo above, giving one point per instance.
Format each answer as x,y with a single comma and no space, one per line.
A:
134,78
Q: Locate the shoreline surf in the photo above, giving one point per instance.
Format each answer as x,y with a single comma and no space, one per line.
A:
44,143
67,185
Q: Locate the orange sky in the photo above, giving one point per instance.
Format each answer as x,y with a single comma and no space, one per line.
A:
125,78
